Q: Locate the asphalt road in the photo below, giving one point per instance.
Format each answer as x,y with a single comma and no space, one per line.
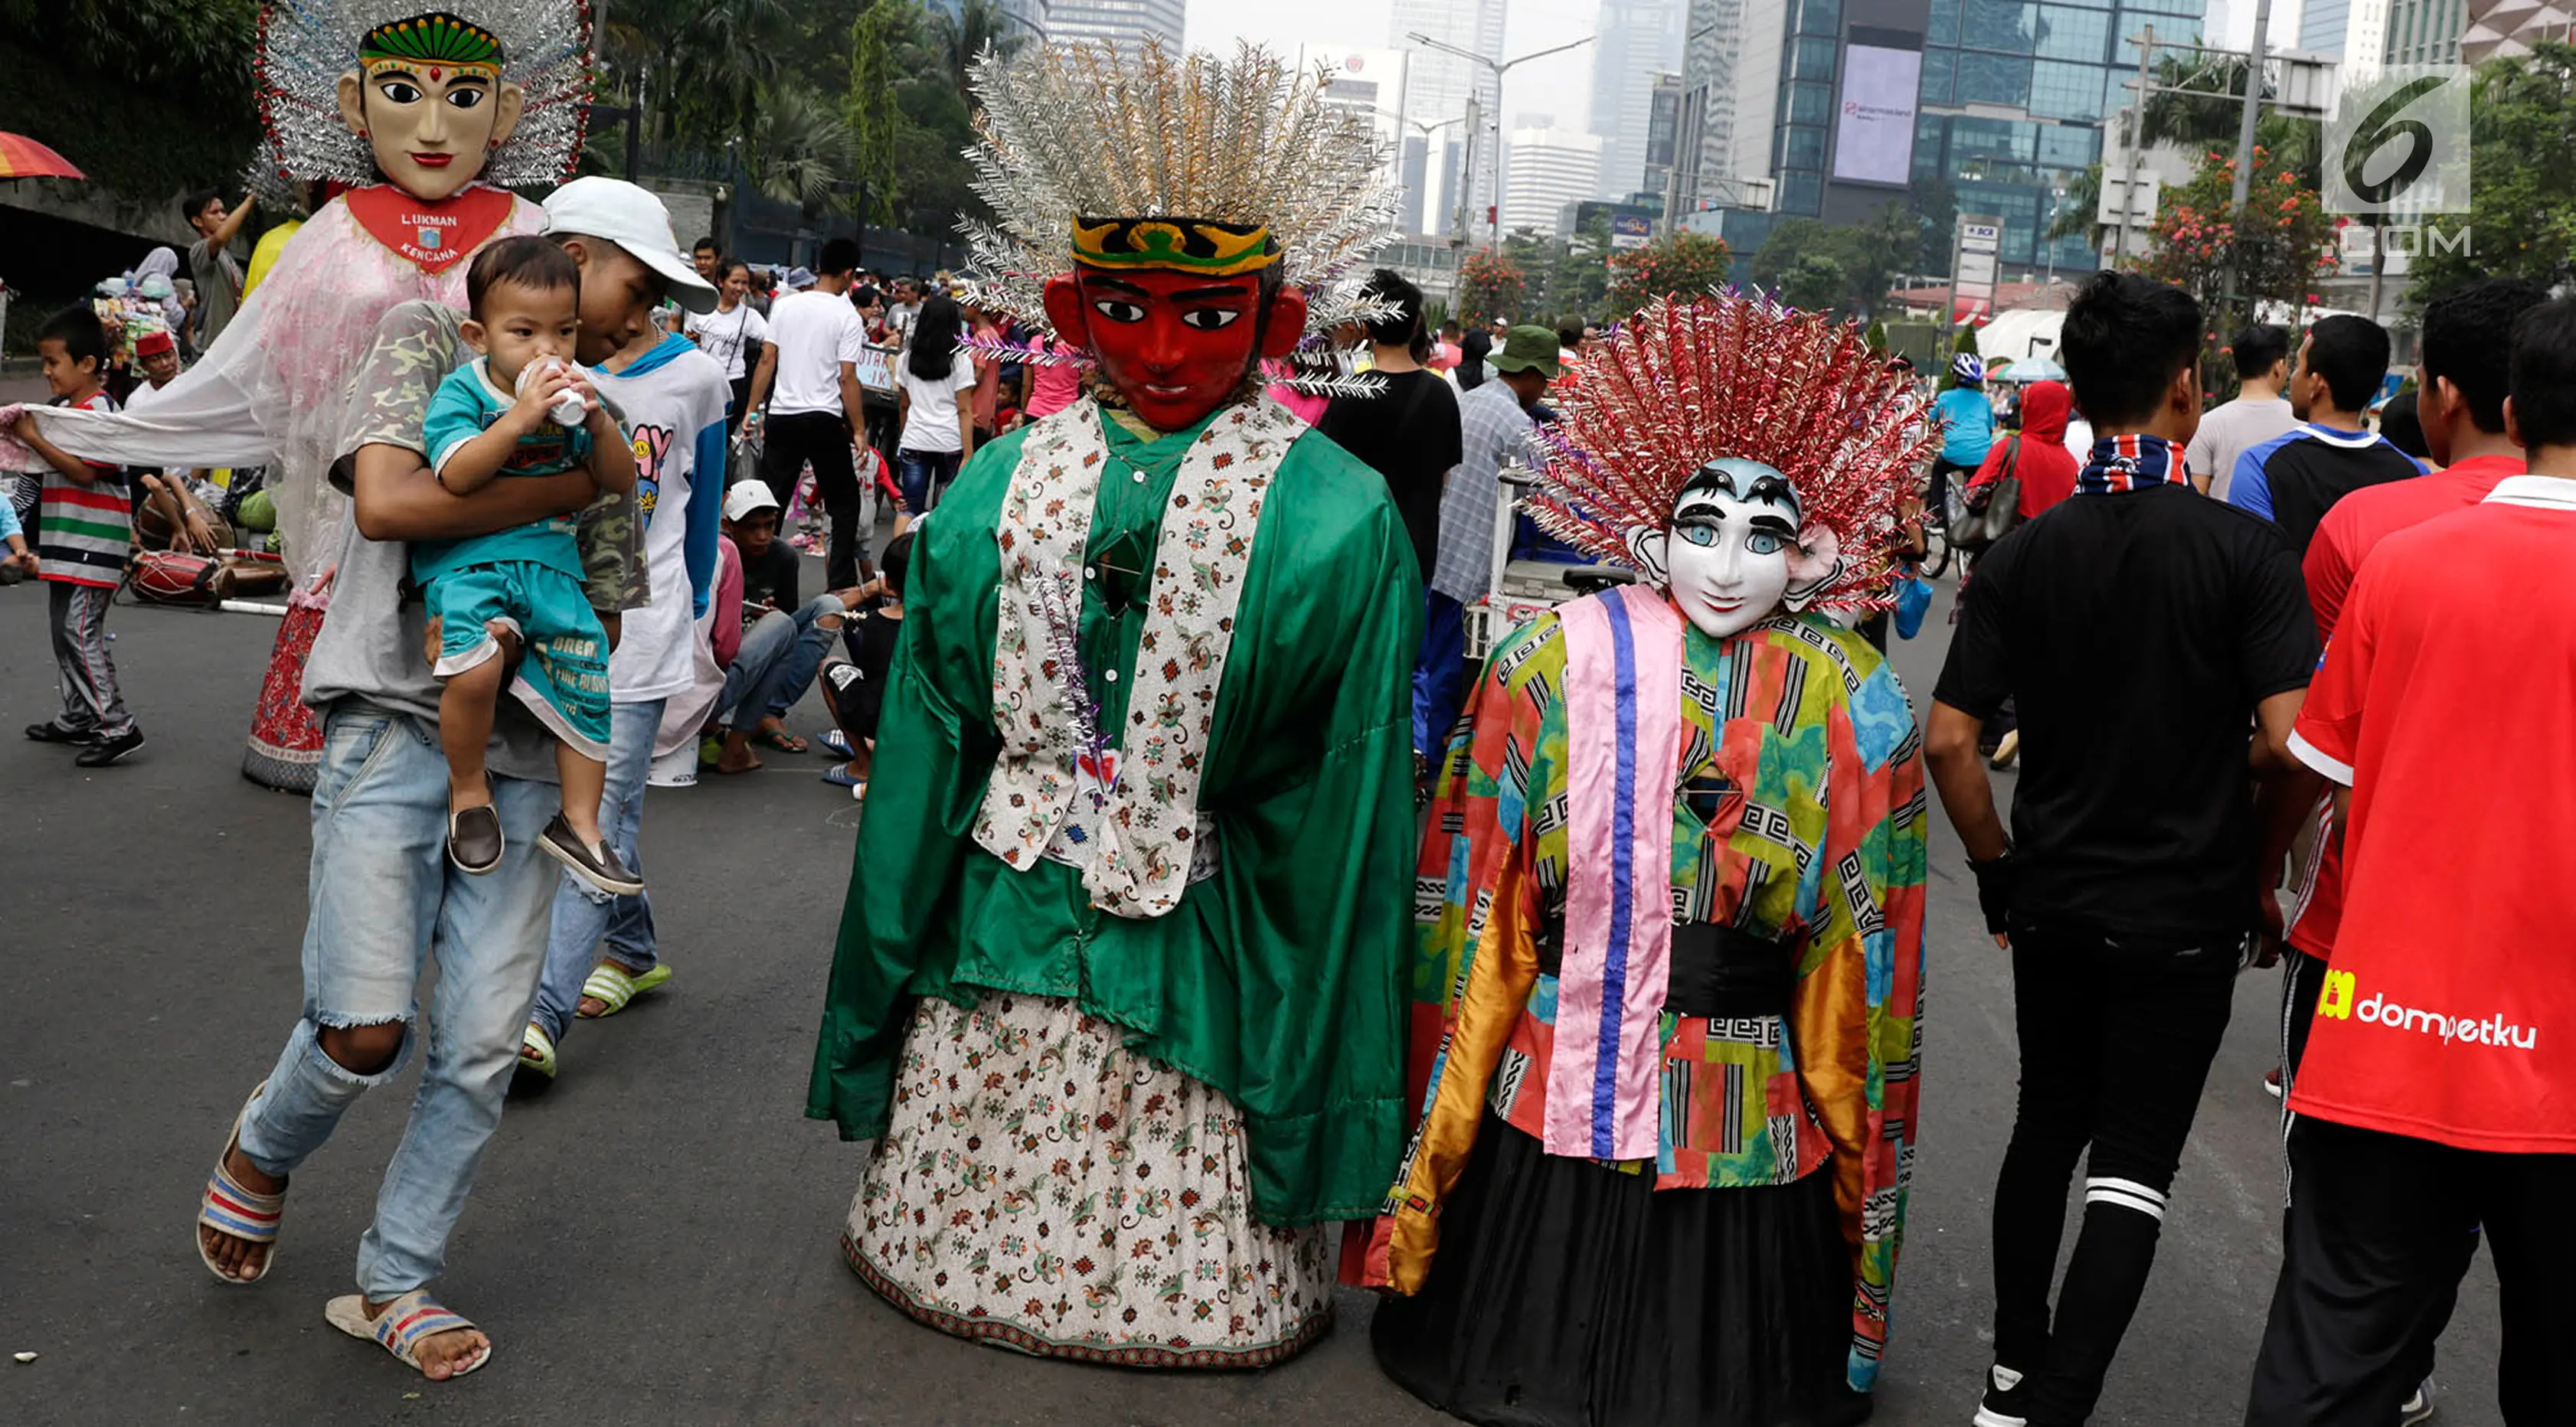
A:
655,1239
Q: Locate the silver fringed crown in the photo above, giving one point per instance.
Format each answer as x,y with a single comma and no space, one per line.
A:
1088,130
306,45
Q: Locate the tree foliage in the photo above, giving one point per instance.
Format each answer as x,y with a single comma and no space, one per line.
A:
2280,247
1846,269
1676,264
150,98
2522,212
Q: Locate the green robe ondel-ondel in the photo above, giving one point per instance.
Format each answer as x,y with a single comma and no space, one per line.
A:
1278,980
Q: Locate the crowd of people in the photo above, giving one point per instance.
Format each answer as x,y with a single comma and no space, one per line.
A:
1618,1101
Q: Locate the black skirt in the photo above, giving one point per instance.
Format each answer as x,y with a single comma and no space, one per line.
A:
1568,1294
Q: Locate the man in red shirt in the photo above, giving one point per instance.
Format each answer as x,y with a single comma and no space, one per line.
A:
2433,1095
2463,374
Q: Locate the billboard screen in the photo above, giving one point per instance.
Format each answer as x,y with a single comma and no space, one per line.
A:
1874,135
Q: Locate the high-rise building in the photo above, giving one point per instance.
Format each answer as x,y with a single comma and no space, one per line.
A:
1663,138
2015,103
1437,88
1370,83
1704,173
1126,23
1547,171
1031,16
1637,39
2425,31
2506,28
2354,32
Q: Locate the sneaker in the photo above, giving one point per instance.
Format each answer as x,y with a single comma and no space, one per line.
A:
52,732
2419,1407
2004,1404
2272,1082
104,751
474,840
597,865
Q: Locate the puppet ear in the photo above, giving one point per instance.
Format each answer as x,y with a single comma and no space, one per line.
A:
1287,322
1649,548
352,95
1064,309
1814,562
507,106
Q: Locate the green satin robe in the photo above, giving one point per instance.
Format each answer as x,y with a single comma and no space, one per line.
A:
1279,980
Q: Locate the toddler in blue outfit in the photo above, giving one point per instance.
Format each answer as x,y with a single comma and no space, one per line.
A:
495,418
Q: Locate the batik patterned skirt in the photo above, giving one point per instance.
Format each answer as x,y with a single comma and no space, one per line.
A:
1043,1188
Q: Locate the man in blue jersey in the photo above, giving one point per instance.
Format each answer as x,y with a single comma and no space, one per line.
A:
2296,477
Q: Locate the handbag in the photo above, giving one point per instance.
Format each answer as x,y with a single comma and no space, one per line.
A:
1913,597
2003,500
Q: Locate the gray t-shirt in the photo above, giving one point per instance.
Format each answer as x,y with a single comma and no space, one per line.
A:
371,647
219,289
2229,431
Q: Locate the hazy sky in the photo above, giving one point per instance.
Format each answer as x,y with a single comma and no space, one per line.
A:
1560,85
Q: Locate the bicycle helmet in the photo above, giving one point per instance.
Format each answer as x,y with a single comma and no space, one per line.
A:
1969,368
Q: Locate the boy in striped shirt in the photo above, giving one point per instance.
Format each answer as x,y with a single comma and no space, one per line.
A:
84,524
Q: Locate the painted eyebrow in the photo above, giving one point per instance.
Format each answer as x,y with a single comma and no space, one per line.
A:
1202,294
1114,285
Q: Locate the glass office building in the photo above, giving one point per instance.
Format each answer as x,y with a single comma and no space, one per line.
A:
2015,105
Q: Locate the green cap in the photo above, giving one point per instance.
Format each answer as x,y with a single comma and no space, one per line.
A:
1527,349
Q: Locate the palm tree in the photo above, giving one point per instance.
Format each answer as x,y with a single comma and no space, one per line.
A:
799,149
978,24
710,59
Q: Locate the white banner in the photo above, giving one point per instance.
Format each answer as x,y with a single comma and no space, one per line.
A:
1874,140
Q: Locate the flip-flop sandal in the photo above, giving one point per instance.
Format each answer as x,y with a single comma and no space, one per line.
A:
537,1051
402,1327
835,743
229,1209
782,742
613,986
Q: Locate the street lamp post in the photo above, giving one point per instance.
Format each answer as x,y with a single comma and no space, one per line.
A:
2048,235
1497,68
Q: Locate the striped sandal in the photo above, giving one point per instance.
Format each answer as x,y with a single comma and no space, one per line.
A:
402,1327
612,986
234,1211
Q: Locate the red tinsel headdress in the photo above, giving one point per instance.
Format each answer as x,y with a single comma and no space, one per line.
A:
1685,382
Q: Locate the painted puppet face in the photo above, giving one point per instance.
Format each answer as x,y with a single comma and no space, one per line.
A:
1176,345
1736,550
431,125
1734,531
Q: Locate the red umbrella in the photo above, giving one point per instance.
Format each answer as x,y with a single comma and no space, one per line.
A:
22,157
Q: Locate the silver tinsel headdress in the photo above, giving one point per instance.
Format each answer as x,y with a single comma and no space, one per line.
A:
1691,380
306,45
1089,132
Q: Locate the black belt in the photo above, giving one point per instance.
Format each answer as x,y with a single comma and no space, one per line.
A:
1717,971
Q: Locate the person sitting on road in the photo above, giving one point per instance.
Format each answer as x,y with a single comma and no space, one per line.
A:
768,644
854,688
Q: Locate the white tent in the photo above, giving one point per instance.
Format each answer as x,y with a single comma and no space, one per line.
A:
2023,332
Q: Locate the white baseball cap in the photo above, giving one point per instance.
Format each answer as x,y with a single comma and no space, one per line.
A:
611,208
748,497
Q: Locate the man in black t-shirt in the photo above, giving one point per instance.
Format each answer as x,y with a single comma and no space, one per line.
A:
2142,629
1406,431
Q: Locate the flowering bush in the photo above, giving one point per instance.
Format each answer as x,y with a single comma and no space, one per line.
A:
1677,265
2282,243
1490,286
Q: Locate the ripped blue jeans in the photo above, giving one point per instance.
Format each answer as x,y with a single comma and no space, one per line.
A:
384,902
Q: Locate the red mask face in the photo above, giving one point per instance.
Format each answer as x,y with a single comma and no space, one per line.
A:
1175,345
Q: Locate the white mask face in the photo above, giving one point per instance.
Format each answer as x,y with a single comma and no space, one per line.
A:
1734,535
